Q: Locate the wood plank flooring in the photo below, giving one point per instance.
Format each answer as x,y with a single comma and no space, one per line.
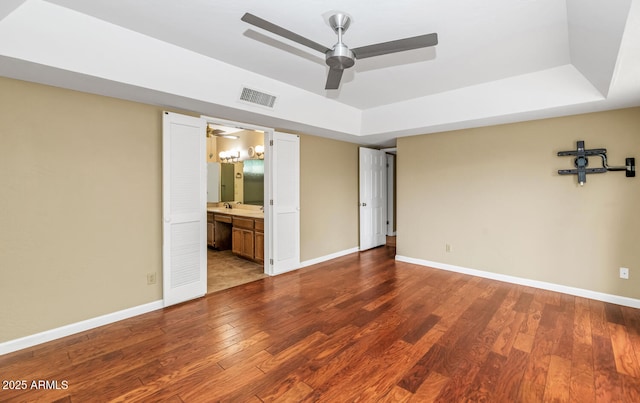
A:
362,327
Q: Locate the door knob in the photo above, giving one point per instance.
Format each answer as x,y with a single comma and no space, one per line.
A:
364,204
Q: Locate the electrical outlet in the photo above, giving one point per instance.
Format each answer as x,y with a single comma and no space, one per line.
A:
624,273
448,248
151,278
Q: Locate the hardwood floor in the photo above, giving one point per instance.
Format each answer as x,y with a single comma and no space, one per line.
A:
362,327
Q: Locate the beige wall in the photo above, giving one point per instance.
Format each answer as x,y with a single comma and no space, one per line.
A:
494,195
80,205
328,196
79,208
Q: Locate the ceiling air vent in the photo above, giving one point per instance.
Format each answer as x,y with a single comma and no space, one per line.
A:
257,97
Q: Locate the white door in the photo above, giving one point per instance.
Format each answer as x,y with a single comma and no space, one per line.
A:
184,201
283,203
373,198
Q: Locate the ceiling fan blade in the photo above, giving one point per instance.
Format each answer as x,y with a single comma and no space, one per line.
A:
285,33
333,79
400,45
214,132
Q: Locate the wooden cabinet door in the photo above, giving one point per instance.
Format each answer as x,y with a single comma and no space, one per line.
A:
237,241
242,243
259,247
211,234
247,244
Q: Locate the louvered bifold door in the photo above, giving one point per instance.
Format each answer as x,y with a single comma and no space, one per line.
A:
184,208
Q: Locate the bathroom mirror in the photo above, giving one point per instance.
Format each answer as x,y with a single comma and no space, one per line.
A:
227,183
238,156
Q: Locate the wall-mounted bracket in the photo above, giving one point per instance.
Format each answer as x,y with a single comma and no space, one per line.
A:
582,161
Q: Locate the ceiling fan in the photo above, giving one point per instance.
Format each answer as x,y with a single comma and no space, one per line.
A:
217,131
340,57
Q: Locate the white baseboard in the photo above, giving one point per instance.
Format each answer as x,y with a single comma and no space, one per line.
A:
599,296
328,257
57,333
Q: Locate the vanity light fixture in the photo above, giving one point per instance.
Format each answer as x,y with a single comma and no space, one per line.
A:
256,152
235,155
229,156
260,151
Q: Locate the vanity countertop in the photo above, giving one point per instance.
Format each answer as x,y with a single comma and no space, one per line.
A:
237,212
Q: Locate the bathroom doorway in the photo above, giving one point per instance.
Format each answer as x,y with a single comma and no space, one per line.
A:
270,233
235,206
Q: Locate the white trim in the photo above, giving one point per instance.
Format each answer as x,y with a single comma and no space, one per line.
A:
391,177
237,125
73,328
320,259
276,273
336,255
580,292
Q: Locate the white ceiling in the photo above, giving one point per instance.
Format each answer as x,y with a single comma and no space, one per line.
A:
497,61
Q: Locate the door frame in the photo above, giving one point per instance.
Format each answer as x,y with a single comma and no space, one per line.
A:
391,207
269,189
268,225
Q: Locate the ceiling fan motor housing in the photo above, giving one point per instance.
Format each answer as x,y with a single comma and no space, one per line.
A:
340,57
